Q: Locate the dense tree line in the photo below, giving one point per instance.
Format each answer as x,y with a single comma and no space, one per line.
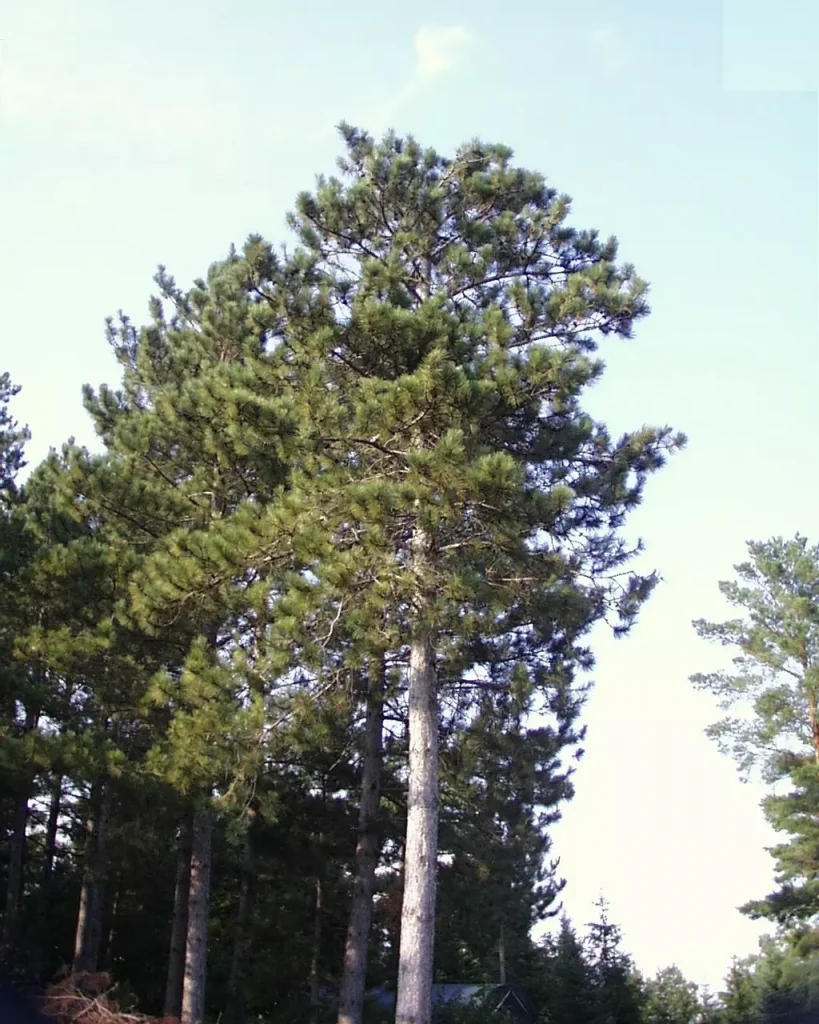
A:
292,668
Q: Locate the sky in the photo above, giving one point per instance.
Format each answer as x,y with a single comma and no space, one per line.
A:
139,133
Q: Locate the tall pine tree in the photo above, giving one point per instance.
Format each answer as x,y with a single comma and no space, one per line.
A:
466,312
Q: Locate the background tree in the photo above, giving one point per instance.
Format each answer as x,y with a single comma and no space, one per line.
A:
776,677
174,435
13,438
620,994
671,999
502,784
740,998
19,716
566,987
775,687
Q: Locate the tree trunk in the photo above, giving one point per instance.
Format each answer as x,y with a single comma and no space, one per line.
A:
17,856
814,719
88,936
106,951
354,977
50,849
235,1008
502,957
100,879
17,846
45,944
415,961
196,947
315,959
179,923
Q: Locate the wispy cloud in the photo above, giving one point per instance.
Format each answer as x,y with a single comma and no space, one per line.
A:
438,51
50,88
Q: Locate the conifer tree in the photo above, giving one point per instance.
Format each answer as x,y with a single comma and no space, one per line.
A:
19,714
88,674
13,549
775,688
502,783
174,468
619,996
776,675
794,813
741,998
371,449
570,992
201,439
12,441
466,315
671,999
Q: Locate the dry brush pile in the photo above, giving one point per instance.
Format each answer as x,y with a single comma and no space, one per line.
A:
90,999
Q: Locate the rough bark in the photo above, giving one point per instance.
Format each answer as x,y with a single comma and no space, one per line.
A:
235,1006
415,960
354,977
196,947
315,958
172,1006
88,936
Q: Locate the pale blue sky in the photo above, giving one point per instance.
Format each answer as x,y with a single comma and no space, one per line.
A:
143,132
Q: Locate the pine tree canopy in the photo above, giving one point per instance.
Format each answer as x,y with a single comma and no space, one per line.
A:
302,648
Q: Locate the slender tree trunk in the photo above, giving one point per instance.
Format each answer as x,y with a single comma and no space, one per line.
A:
354,977
179,923
80,940
235,1008
502,957
196,948
106,950
100,879
45,944
315,959
415,961
50,849
88,936
17,847
52,832
814,720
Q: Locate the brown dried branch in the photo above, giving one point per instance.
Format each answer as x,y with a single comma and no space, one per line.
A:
89,999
